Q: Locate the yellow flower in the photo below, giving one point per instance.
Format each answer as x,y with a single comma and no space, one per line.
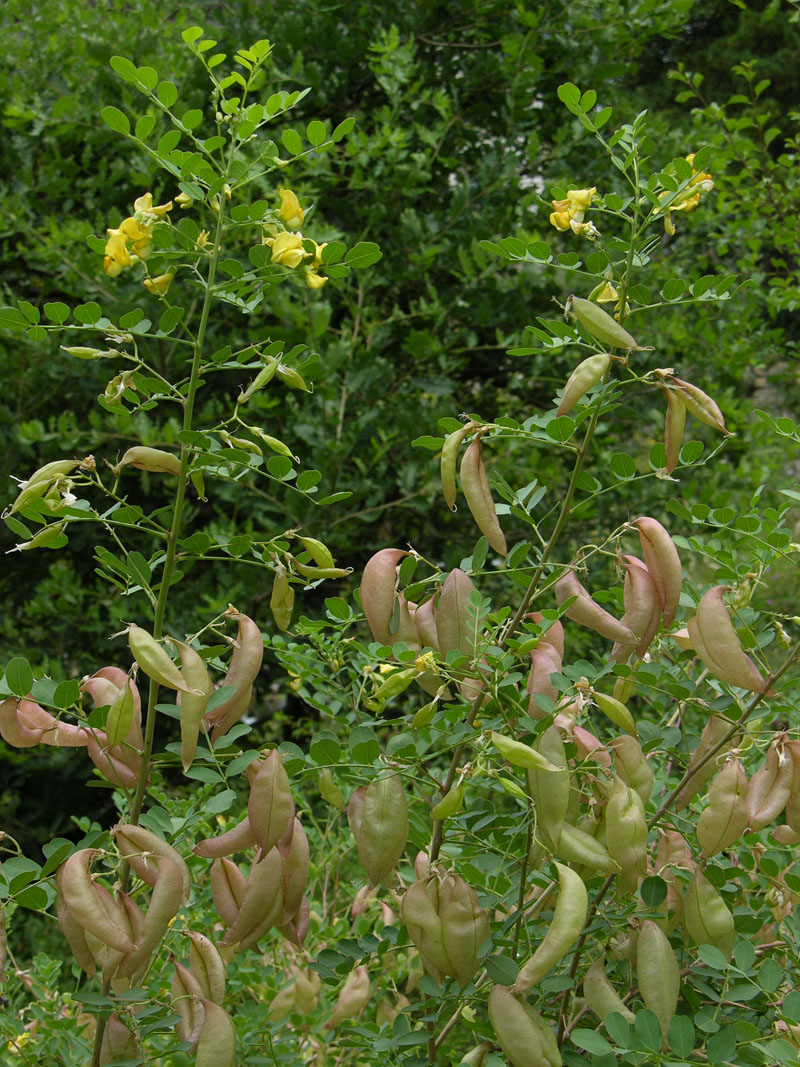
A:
202,239
290,213
568,214
314,280
287,249
317,260
183,200
144,204
159,286
139,234
689,198
116,256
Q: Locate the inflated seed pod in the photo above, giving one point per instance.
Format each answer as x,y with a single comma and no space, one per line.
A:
281,602
793,800
699,404
713,732
248,653
601,996
626,835
449,458
674,426
165,901
352,999
90,904
631,765
186,995
141,848
228,887
475,486
154,660
718,645
724,819
207,966
550,790
380,826
577,846
40,481
658,973
119,1043
521,755
521,1032
378,591
642,610
193,705
572,904
216,1046
706,916
586,612
769,788
261,904
154,460
663,563
24,724
599,324
238,839
585,376
270,806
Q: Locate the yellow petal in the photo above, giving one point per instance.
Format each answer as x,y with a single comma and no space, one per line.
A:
159,286
290,211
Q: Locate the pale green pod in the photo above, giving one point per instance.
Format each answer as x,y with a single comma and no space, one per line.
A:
706,915
572,905
270,806
585,376
465,926
381,832
658,973
663,562
217,1044
577,846
521,1032
601,996
521,755
475,485
154,660
699,404
550,790
724,819
207,966
193,705
155,460
449,458
720,643
626,835
674,426
599,323
631,765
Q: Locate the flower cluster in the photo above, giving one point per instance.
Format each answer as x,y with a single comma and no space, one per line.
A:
136,231
288,248
688,198
568,214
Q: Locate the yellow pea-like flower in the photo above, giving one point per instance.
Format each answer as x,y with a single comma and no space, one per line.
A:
290,211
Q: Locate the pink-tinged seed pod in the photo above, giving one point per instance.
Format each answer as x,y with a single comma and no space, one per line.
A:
228,886
119,765
769,787
793,800
142,849
248,653
217,1044
456,623
261,905
642,610
663,563
238,839
699,404
295,872
425,622
713,732
296,929
207,966
270,807
74,932
119,1043
587,613
718,646
165,900
104,687
724,819
674,427
186,995
590,747
24,724
353,997
475,485
553,638
90,904
378,591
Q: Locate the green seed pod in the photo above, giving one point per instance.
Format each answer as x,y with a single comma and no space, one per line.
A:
380,826
520,755
118,1042
658,973
319,552
521,1032
706,915
281,602
713,732
154,460
154,660
699,404
450,804
616,711
450,450
601,996
353,998
674,427
329,790
270,807
550,790
264,377
585,376
207,966
724,820
88,353
626,835
631,765
293,378
599,324
40,481
572,904
465,926
273,443
577,846
217,1044
42,538
475,485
